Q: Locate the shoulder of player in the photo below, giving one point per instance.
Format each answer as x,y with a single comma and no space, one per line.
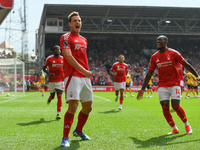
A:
116,63
50,56
173,51
154,54
66,35
82,37
126,64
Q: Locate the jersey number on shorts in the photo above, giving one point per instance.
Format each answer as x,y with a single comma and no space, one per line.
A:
178,91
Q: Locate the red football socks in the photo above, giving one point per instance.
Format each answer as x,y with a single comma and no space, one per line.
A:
59,103
180,112
82,119
121,100
168,116
68,120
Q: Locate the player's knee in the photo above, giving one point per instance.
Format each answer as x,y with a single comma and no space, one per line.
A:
59,96
87,110
73,105
165,108
176,107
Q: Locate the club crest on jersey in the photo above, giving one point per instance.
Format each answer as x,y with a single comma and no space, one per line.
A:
168,57
71,94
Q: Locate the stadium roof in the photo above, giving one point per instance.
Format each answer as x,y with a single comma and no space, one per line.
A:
5,8
129,19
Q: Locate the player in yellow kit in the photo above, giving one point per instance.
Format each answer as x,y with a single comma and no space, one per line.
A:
196,86
128,81
42,83
149,88
190,82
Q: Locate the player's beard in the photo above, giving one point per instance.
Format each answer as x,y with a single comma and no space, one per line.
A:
56,55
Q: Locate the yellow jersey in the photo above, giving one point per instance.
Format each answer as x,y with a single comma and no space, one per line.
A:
150,81
42,79
195,81
190,79
128,79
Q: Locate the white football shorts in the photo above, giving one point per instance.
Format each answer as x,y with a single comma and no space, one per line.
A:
77,88
166,92
119,85
181,83
56,85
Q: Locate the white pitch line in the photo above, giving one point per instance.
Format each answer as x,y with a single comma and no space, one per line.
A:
101,98
14,98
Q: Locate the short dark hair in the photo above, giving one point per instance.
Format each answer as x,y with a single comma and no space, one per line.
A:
163,37
56,46
74,13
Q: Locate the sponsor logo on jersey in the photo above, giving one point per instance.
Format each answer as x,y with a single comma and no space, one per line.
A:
57,65
164,64
80,47
120,69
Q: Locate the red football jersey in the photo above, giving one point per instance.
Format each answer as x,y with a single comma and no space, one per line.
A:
55,65
166,63
78,46
180,69
121,70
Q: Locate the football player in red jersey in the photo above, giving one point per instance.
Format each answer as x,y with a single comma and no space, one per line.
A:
56,78
166,60
78,86
119,70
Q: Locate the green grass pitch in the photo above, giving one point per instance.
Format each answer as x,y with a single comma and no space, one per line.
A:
28,123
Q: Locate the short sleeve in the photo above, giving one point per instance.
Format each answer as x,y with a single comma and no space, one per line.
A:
152,65
64,42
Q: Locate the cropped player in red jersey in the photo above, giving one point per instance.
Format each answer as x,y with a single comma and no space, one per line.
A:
56,78
78,86
119,70
166,60
181,72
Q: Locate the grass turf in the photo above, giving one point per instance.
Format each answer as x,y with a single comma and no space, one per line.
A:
28,123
